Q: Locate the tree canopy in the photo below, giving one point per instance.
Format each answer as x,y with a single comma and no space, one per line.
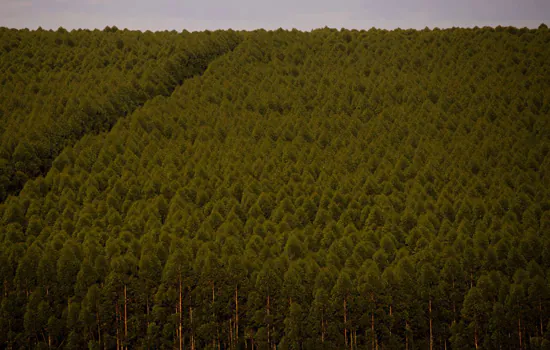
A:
308,190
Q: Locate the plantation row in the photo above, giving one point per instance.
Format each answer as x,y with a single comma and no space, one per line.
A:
58,86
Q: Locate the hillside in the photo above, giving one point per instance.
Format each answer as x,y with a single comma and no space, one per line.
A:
58,86
319,190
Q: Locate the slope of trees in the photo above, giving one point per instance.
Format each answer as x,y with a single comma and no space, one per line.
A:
58,86
323,190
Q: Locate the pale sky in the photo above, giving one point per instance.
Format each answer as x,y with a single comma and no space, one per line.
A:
253,14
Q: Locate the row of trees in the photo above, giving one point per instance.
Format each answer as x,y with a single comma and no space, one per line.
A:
324,190
170,296
59,86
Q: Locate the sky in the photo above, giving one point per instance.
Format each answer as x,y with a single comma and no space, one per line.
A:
195,15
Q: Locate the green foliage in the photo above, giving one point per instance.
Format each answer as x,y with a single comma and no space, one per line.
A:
321,190
59,86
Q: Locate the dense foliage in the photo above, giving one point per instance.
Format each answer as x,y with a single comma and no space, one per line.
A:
324,190
57,86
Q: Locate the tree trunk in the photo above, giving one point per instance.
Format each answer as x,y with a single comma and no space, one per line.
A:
125,319
431,330
268,326
116,326
540,318
372,321
372,329
322,327
213,312
519,332
406,335
236,315
231,344
475,337
345,323
191,325
98,326
454,304
181,316
147,311
391,324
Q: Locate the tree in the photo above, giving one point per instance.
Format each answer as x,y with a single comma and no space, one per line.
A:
268,284
294,248
238,274
341,294
25,275
474,311
90,314
514,302
538,292
319,314
428,279
174,274
369,286
150,273
293,327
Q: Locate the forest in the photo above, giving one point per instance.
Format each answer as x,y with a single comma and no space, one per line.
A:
332,189
58,86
